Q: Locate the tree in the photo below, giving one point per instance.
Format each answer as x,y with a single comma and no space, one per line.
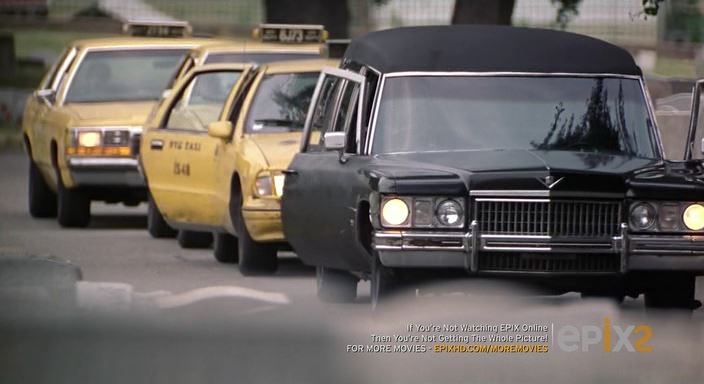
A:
483,12
335,14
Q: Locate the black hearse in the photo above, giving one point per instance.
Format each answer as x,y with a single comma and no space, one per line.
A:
493,150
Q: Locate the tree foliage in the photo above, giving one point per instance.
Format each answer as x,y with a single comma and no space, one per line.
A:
335,14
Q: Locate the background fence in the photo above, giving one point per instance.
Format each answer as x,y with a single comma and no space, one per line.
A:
620,21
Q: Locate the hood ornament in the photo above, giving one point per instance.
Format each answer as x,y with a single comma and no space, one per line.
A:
550,181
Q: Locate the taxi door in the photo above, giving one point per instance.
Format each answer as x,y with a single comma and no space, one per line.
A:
37,113
178,156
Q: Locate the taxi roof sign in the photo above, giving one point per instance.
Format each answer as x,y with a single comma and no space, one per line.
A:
157,28
290,33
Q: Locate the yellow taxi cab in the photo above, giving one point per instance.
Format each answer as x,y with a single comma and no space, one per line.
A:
268,43
214,154
79,126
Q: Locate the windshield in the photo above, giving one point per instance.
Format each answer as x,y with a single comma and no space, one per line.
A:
258,57
125,75
281,102
595,115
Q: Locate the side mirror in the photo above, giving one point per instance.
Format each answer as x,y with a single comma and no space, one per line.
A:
334,141
220,129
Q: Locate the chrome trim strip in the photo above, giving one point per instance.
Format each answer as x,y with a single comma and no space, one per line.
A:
509,200
624,247
682,245
474,252
406,247
694,118
653,120
375,114
509,73
367,148
520,237
510,193
420,235
102,162
58,75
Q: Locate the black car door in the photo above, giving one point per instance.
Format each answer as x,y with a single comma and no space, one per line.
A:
324,182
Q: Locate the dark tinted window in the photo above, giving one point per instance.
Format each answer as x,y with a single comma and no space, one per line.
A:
281,102
427,113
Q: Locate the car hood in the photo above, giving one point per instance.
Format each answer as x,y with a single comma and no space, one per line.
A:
277,148
112,113
573,173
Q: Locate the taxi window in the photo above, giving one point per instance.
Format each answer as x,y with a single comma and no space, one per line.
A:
257,57
324,112
281,102
124,75
186,65
201,101
346,117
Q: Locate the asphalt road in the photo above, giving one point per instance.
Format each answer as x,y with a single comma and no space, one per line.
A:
147,311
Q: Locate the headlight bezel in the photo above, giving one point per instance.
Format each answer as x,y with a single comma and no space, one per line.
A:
268,184
423,212
669,217
106,145
87,134
647,207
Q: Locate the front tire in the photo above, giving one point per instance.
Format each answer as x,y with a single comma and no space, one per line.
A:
156,225
42,200
383,283
671,291
73,206
335,286
226,248
194,239
255,258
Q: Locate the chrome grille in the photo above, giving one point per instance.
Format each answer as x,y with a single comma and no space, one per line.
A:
516,262
557,218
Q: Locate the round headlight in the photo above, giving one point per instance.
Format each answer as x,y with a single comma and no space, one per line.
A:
450,213
395,212
642,216
693,217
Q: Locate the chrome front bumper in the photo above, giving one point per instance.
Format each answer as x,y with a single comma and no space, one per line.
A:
416,248
105,171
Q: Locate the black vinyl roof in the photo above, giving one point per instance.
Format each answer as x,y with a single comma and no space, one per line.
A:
488,48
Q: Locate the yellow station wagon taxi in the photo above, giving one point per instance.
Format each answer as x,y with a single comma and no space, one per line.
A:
214,153
80,124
